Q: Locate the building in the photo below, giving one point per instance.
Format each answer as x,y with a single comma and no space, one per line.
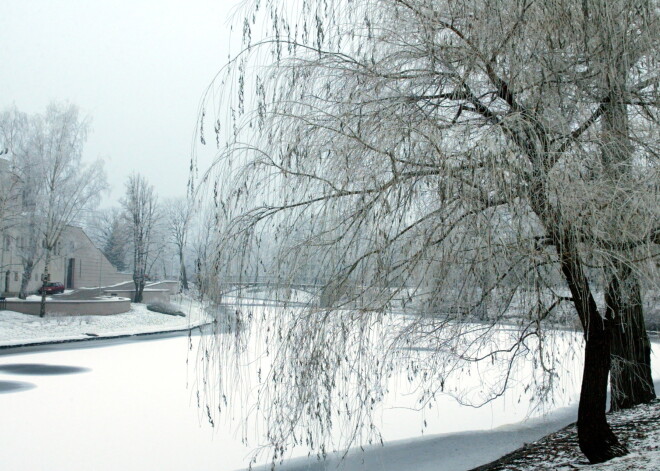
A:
76,262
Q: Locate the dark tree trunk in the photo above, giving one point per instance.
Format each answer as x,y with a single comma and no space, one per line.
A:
595,437
46,279
182,275
631,382
138,293
139,289
25,279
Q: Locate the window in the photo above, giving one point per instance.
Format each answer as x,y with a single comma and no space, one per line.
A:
15,276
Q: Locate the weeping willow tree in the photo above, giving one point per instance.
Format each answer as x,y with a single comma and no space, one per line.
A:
472,163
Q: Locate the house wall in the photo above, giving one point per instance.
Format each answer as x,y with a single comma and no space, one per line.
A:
90,267
11,267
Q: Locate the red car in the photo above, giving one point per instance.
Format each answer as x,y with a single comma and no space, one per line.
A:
52,288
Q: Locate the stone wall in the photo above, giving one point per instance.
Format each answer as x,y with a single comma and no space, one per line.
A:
95,307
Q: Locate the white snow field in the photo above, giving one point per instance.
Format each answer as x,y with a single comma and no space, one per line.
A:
133,404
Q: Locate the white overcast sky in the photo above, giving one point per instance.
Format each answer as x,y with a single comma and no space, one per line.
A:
137,67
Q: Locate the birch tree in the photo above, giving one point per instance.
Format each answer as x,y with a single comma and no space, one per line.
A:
452,154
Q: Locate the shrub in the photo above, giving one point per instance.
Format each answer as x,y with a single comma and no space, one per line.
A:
166,308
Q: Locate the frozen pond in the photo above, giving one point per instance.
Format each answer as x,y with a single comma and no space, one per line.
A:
132,406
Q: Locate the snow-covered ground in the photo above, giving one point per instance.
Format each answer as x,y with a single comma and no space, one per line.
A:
122,388
23,329
637,428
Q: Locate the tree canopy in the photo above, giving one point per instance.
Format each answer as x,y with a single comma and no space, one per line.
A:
486,161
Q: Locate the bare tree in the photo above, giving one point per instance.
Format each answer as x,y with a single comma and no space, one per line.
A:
69,187
13,125
200,236
452,154
162,250
140,207
23,193
54,187
178,214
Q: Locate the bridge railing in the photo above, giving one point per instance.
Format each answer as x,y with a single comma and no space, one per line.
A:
273,281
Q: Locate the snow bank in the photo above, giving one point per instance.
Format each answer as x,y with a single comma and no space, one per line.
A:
22,329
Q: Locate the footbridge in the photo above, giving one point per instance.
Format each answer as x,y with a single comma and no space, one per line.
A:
233,284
